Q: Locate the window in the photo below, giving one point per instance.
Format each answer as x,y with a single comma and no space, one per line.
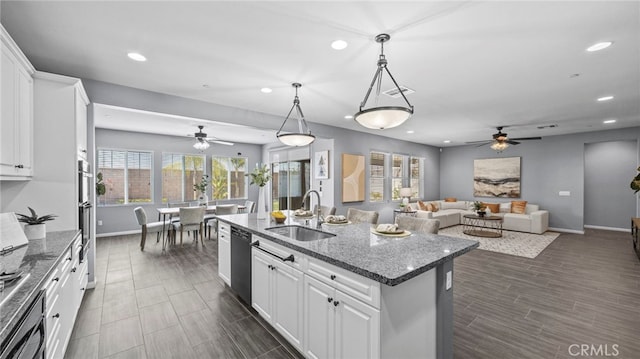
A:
290,181
416,175
127,176
376,177
397,176
228,178
179,174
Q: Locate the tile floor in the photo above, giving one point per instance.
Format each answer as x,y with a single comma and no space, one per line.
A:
154,305
582,289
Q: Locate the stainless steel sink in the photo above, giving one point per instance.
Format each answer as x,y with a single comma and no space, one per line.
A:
300,233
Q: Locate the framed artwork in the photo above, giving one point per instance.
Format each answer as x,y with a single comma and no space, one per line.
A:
353,172
496,177
321,165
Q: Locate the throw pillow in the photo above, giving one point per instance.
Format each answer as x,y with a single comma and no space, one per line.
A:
434,207
519,207
422,206
493,207
451,199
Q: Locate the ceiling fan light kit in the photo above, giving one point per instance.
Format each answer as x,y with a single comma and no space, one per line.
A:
382,117
501,141
303,137
201,145
202,141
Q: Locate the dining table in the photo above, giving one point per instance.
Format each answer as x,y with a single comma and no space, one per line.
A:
163,212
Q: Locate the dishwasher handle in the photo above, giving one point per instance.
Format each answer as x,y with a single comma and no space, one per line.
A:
290,258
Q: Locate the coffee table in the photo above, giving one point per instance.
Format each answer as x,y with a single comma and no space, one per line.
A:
486,226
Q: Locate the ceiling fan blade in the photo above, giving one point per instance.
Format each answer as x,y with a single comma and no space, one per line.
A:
480,142
512,142
221,142
526,138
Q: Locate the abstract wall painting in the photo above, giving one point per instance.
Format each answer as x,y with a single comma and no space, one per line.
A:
353,173
321,163
496,177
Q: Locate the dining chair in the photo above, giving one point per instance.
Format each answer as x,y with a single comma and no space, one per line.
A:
422,225
324,210
191,219
250,206
141,217
359,216
221,209
173,217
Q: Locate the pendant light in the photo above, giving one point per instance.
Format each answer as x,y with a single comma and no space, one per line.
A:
303,137
382,117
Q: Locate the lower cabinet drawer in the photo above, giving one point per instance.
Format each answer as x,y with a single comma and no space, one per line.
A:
359,287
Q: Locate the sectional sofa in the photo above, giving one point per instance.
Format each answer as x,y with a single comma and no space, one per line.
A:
450,214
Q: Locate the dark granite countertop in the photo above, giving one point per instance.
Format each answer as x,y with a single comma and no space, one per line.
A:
388,260
40,256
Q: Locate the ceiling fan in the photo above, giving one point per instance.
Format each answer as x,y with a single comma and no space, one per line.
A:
500,141
202,141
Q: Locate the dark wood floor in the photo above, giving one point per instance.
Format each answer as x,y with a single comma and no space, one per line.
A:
580,290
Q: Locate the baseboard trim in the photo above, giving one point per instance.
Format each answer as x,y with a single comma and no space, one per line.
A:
124,233
566,230
608,228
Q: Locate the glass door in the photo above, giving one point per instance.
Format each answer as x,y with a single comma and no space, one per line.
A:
291,180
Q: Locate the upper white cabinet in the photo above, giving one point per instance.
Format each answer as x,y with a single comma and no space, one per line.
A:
16,114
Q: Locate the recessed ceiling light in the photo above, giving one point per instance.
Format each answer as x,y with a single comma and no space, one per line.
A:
339,45
609,121
266,90
605,98
136,56
411,131
206,86
599,46
348,117
447,141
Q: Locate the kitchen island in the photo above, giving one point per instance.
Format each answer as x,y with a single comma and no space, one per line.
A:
353,294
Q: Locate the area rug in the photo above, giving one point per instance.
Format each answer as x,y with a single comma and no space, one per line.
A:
515,243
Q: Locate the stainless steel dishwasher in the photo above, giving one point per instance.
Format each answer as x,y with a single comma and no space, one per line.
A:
241,263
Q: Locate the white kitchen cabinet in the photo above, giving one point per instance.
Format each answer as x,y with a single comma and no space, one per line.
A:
16,115
338,326
224,252
64,290
277,294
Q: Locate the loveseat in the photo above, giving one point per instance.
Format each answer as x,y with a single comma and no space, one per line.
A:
533,220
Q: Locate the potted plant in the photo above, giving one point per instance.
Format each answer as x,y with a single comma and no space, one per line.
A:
479,207
101,189
635,182
261,176
34,225
202,188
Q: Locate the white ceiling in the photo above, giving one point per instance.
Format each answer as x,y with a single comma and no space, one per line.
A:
474,65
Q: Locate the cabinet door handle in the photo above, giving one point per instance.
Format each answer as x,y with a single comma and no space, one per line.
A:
82,288
269,266
333,277
73,270
329,299
335,303
57,315
19,166
55,279
69,258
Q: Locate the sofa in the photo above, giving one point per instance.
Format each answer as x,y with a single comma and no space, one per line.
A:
450,214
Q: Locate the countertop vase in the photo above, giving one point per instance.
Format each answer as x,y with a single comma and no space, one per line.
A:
35,231
262,209
203,199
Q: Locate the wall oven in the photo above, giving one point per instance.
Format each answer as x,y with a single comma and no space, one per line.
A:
84,205
27,340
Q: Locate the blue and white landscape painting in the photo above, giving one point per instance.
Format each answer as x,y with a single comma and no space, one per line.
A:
496,177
